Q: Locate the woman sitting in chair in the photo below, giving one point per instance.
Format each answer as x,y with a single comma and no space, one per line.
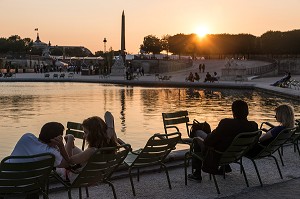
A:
285,116
98,134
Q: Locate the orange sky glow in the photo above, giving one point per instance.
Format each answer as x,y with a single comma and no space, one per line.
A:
87,23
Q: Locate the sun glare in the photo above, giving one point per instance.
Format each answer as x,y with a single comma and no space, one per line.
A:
202,31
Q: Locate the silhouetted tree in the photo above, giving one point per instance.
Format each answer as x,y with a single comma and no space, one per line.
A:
152,44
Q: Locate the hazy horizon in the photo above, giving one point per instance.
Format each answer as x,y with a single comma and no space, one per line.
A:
78,23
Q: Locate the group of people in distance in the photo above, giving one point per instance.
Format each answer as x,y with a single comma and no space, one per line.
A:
192,77
208,77
227,129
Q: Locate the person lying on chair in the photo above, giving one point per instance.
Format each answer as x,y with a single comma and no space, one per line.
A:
220,139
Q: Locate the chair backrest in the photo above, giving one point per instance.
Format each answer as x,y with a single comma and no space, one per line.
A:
76,129
156,150
25,174
281,139
101,165
239,146
171,120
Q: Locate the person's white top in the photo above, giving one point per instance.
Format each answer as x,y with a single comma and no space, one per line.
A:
29,144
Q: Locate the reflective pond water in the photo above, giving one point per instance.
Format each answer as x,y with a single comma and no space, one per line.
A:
25,107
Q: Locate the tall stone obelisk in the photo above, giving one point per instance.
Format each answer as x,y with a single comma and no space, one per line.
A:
118,69
123,37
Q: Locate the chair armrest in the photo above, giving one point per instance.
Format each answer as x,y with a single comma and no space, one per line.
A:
136,152
266,123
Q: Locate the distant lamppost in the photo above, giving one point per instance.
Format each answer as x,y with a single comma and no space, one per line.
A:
104,41
30,58
105,54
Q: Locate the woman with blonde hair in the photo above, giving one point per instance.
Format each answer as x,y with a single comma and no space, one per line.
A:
284,115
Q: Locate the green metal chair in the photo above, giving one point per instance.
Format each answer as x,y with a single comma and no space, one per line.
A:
99,168
172,120
76,129
270,149
154,153
233,154
294,139
25,175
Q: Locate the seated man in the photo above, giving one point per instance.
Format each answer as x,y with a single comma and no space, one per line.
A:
220,139
197,77
50,140
207,77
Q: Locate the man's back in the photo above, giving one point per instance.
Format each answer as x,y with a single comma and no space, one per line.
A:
30,145
226,131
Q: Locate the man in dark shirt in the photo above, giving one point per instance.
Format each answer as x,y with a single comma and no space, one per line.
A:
221,138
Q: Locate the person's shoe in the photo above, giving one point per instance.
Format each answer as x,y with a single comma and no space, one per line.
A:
227,169
194,177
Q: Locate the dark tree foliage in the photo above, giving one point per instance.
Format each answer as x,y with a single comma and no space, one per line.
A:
271,42
14,44
152,44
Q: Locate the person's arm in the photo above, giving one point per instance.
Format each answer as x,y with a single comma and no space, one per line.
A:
83,156
58,141
69,144
266,136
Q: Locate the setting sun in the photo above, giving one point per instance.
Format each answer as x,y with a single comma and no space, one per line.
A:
202,31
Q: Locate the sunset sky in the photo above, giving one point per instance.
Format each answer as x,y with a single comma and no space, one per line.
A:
87,22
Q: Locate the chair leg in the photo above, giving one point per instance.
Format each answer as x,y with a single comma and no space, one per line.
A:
257,172
244,173
277,166
280,156
223,172
131,182
69,194
113,188
297,146
241,163
80,193
167,173
216,184
87,192
45,194
185,168
138,174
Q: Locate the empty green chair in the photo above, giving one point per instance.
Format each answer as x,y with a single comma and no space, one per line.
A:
154,153
172,120
24,175
76,129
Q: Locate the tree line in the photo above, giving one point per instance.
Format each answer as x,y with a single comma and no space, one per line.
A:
16,46
271,43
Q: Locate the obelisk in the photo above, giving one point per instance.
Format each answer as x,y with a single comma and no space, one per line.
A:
123,37
118,69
